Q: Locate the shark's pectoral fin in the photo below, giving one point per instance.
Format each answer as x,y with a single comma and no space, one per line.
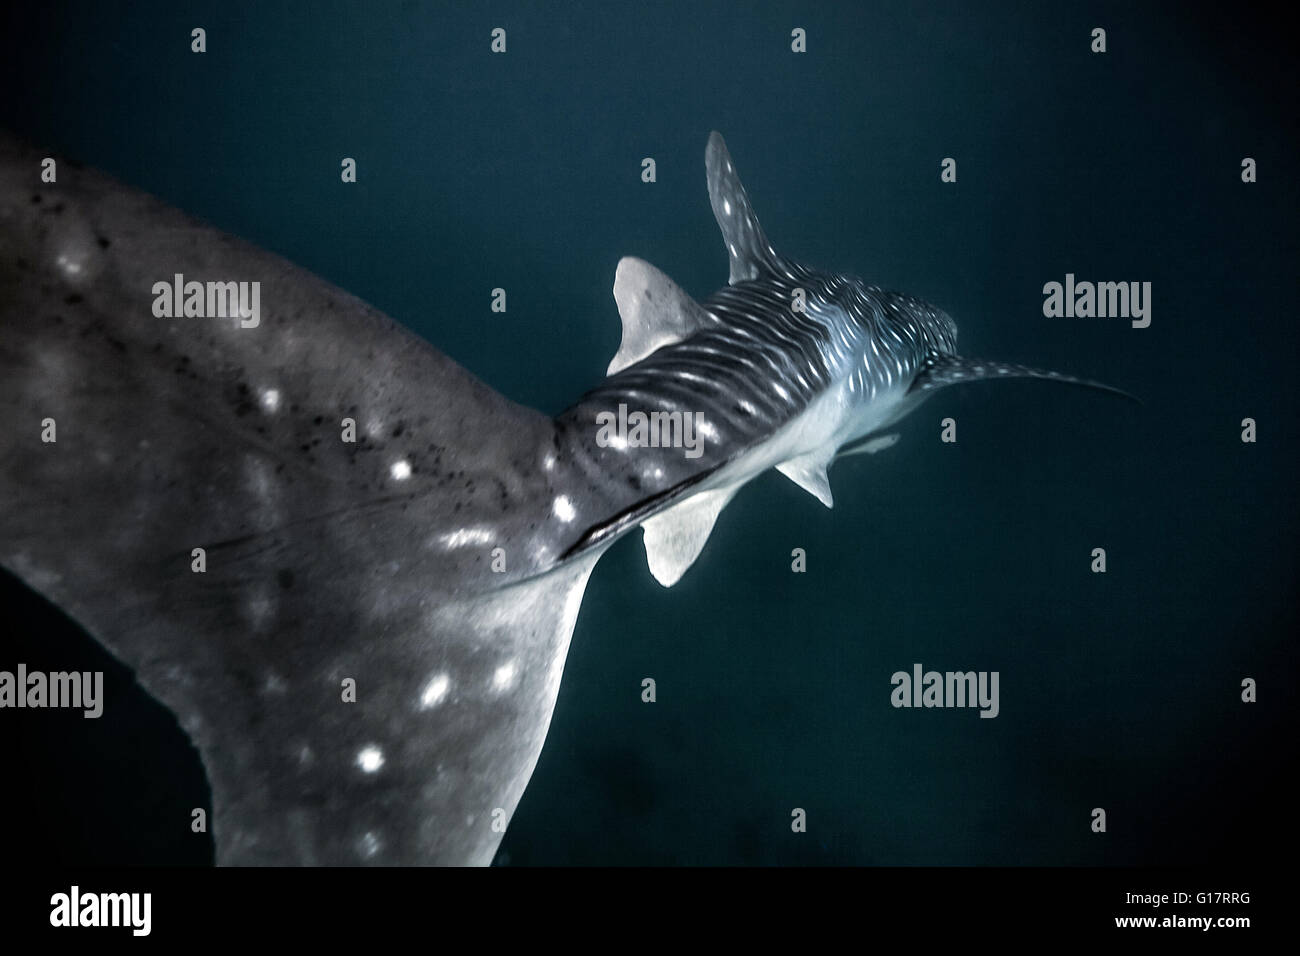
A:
809,473
675,538
655,311
750,253
943,370
869,446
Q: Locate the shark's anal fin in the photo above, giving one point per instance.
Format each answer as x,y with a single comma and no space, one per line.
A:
751,255
943,370
809,473
654,309
675,538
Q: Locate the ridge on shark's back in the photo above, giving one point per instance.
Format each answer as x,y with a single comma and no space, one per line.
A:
788,366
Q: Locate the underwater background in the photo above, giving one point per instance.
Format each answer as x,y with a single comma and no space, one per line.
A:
522,171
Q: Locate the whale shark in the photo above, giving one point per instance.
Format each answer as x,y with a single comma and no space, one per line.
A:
787,367
349,568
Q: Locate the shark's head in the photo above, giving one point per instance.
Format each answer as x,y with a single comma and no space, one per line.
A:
897,314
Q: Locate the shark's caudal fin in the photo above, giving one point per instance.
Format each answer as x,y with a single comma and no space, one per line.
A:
751,254
945,370
198,433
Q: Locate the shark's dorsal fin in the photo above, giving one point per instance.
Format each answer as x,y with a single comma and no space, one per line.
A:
655,312
675,538
750,253
809,473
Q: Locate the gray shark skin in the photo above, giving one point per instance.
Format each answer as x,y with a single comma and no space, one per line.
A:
321,564
379,561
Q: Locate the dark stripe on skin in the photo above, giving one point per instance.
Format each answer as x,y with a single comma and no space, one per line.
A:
629,518
755,364
754,367
760,352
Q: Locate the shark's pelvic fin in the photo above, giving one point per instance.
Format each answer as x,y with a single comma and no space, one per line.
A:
750,253
809,473
944,370
675,538
655,312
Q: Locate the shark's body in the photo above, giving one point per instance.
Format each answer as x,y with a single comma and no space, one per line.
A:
438,562
787,366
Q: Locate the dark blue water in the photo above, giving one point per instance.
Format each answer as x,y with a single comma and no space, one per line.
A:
522,171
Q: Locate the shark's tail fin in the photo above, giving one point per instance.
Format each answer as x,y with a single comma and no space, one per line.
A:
943,370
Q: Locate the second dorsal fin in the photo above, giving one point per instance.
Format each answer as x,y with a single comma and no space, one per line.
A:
655,312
